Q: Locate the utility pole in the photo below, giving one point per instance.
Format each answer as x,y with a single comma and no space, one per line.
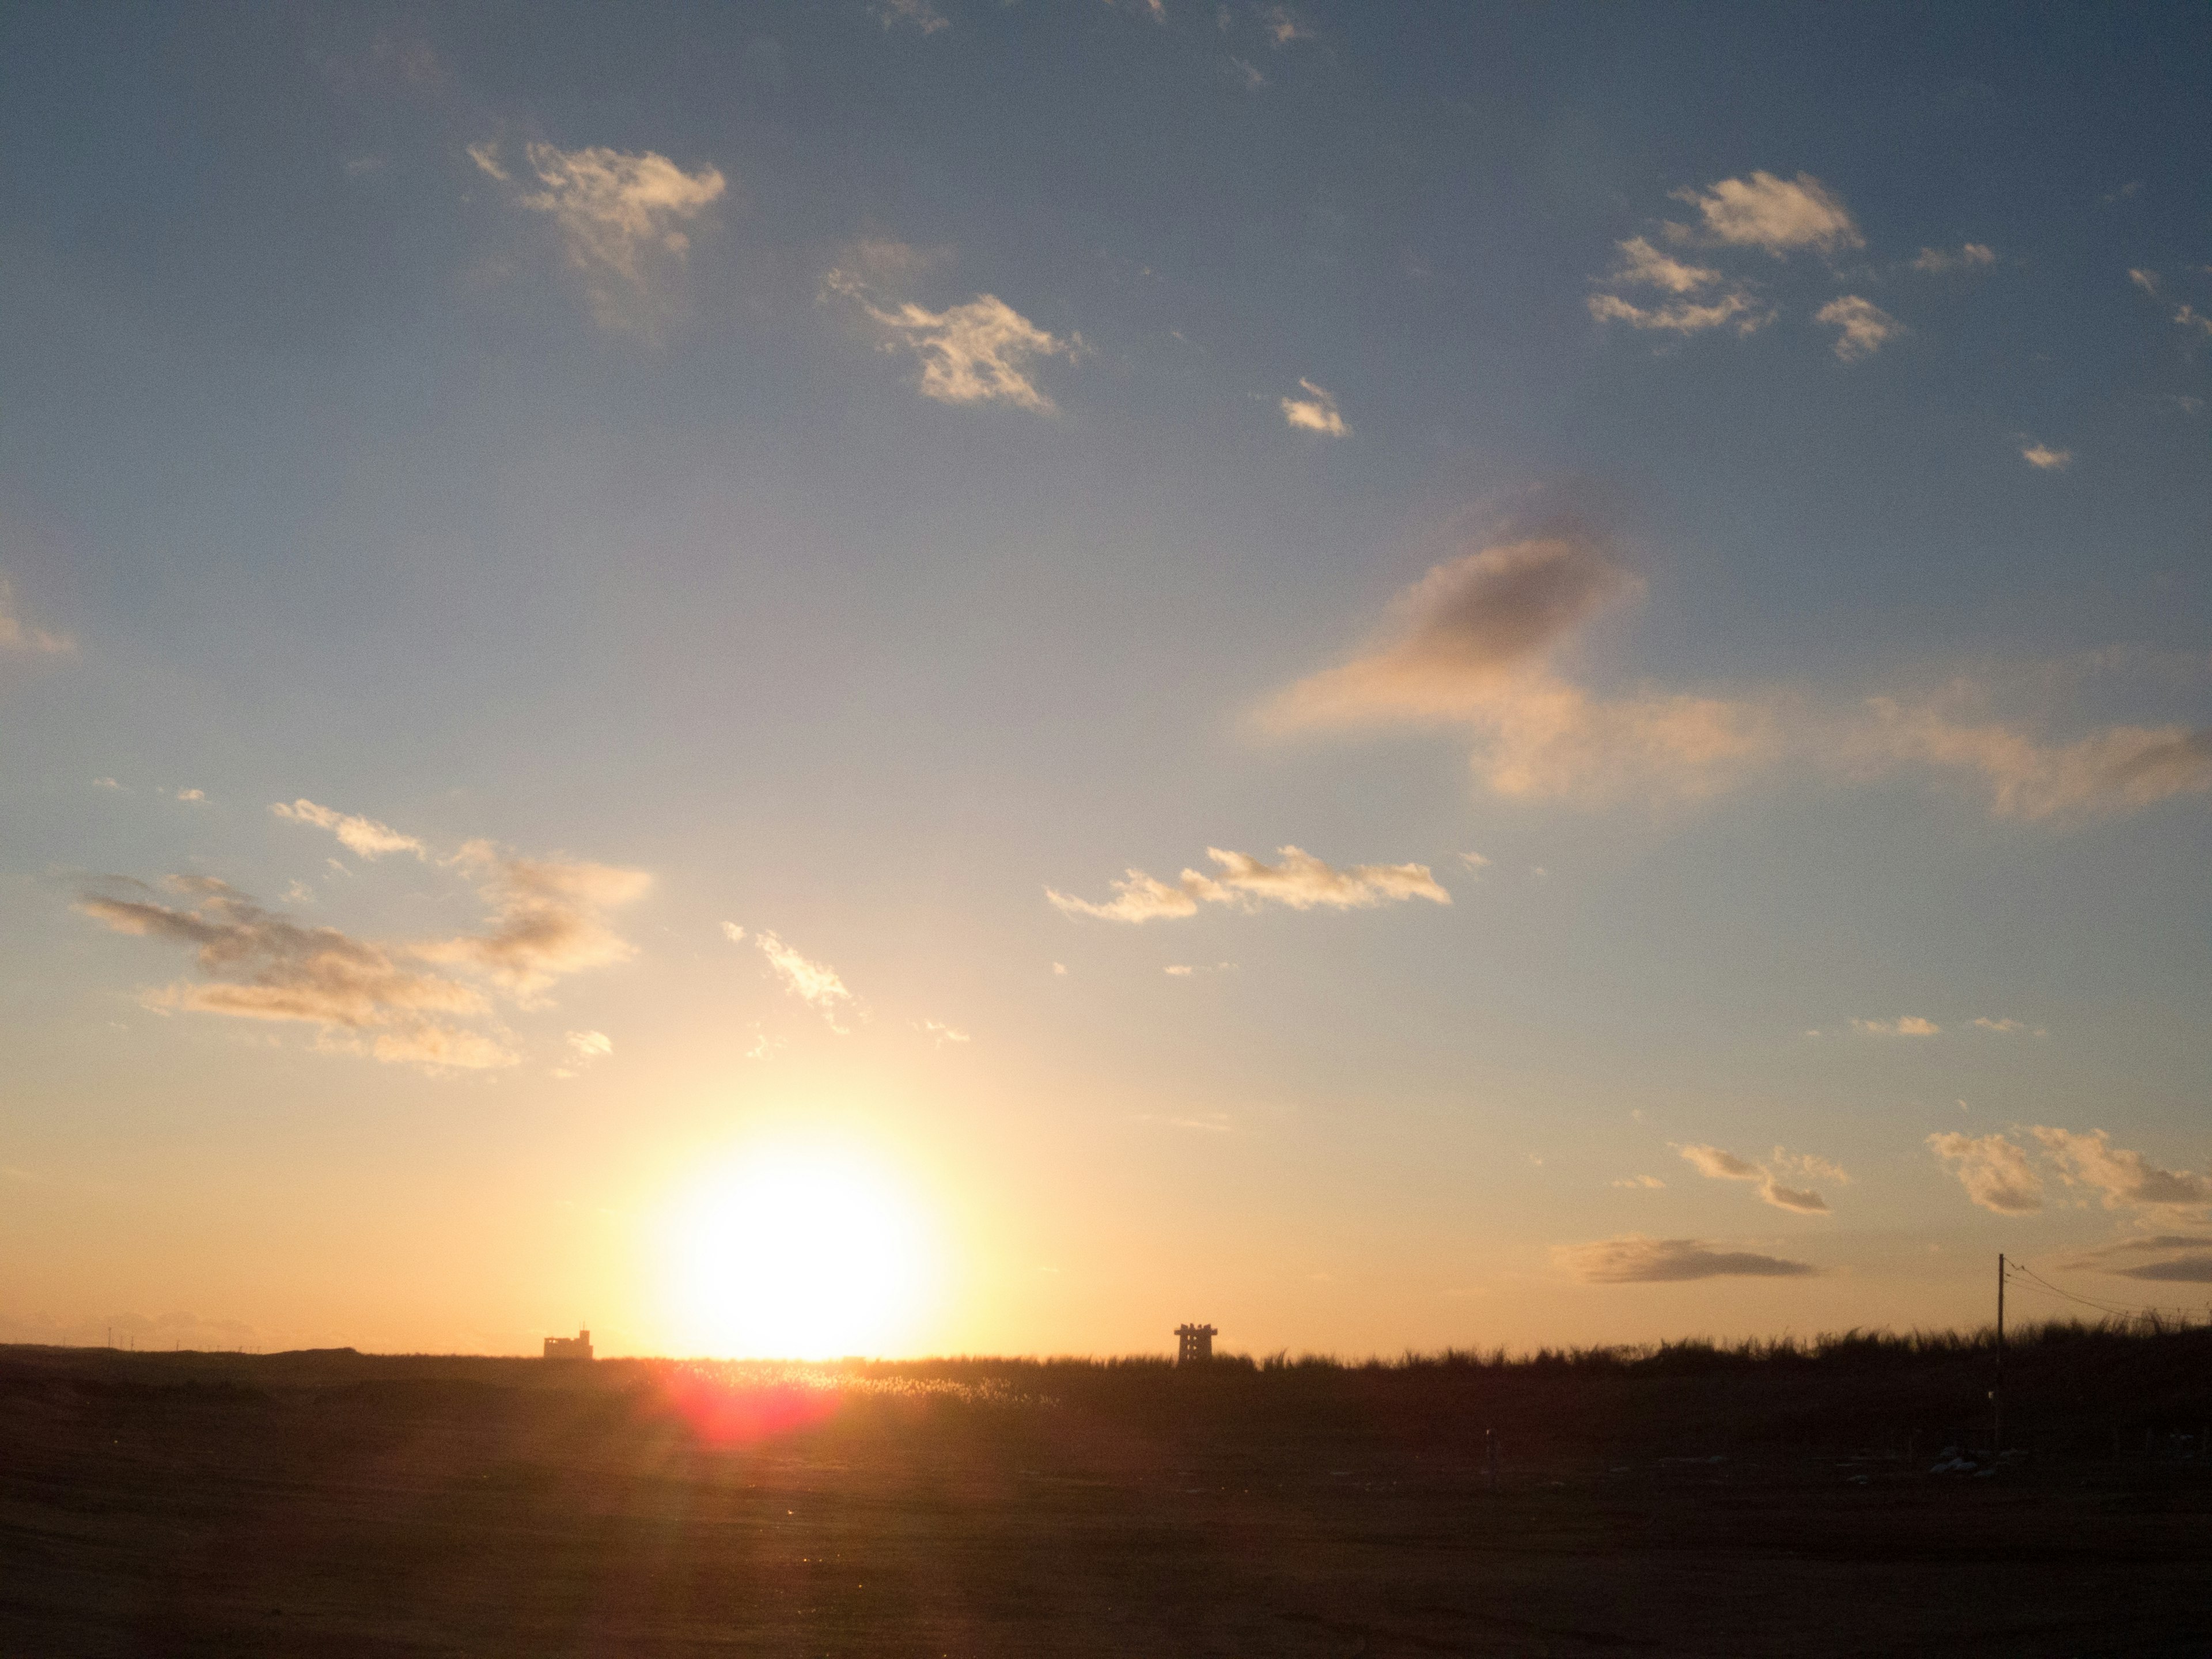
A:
1996,1394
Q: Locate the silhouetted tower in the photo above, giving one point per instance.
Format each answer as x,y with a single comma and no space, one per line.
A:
1195,1344
578,1347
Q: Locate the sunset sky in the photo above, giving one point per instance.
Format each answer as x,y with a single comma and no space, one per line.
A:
923,676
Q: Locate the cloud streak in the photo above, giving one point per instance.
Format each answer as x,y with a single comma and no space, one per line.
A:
1315,412
1636,1259
363,838
18,636
1299,881
980,352
1717,1165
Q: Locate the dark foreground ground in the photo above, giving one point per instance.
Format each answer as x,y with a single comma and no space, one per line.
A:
339,1504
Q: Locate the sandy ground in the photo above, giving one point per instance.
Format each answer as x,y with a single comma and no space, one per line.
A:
161,1510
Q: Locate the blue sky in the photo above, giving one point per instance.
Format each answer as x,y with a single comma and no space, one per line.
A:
1691,521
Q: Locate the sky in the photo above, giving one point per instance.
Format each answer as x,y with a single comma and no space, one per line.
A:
937,676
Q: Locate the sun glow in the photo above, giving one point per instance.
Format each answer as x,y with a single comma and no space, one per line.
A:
795,1253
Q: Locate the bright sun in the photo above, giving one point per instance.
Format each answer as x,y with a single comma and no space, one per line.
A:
795,1253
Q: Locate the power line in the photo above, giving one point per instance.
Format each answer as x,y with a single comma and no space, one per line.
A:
2040,1282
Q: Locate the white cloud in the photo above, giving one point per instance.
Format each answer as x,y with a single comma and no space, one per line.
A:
1635,1260
1778,215
2009,1027
106,783
1282,26
16,635
192,794
2043,458
1301,881
1903,1025
920,13
1717,1166
976,353
940,1034
1865,326
1315,412
1995,1172
1692,308
1640,1182
815,983
363,838
2145,280
2190,317
1644,265
1937,261
620,220
1474,862
1251,77
590,1045
2126,1179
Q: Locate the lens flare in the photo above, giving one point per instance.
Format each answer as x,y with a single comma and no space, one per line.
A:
795,1253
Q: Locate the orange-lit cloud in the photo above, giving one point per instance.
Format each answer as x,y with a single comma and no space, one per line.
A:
1780,215
1635,1260
1315,412
1300,881
548,919
2126,1180
976,353
364,837
1995,1173
1717,1165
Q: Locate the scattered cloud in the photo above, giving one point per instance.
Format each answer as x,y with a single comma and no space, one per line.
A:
1315,412
1995,1172
940,1034
1717,1165
2190,317
1937,261
815,983
977,353
590,1045
2043,458
259,964
2180,1259
619,221
1903,1025
2126,1179
1282,27
1474,862
1865,327
363,838
2010,1027
1778,215
16,635
2145,280
192,794
1246,73
1471,643
1639,1181
1698,301
106,783
548,919
1301,881
920,13
1635,1260
1187,970
2118,769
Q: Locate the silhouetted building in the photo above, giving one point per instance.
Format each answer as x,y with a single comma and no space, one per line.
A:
578,1347
1195,1344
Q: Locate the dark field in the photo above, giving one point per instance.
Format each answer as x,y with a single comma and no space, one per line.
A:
1687,1501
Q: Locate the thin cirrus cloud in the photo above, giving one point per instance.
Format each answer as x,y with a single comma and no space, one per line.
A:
1903,1025
1636,1259
1476,643
2164,1258
363,838
982,351
621,219
1696,298
1778,215
1717,1165
1300,880
1864,326
18,636
816,984
1939,262
1315,412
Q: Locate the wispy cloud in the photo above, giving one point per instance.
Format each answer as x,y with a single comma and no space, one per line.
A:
2008,1027
16,635
1717,1165
548,919
1315,412
919,13
980,352
2124,1179
2169,1258
816,984
2043,458
1282,26
1866,326
1780,215
2145,280
363,838
1635,1260
1937,261
1642,1182
1300,881
620,218
2118,769
1698,300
